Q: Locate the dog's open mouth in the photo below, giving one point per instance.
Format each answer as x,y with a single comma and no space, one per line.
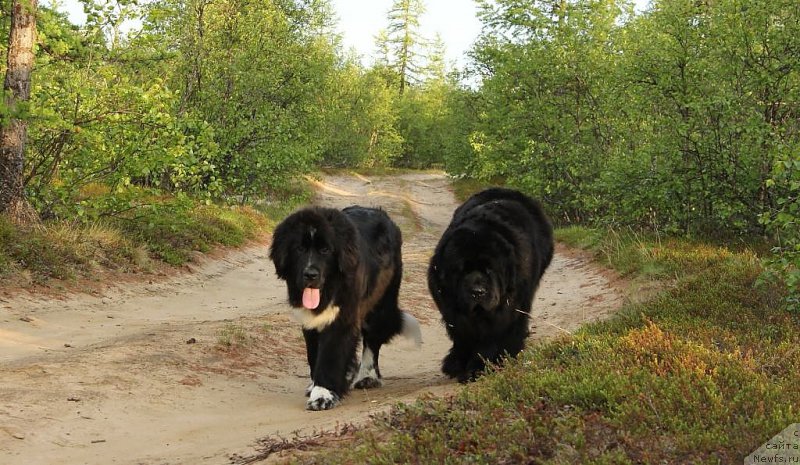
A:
311,298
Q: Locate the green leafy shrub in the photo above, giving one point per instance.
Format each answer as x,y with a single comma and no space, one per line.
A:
682,119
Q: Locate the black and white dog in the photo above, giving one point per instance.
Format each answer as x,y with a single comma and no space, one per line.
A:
343,270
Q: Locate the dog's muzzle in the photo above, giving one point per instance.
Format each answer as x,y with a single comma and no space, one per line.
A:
477,289
311,277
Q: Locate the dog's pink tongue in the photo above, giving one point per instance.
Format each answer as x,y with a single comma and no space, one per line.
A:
310,298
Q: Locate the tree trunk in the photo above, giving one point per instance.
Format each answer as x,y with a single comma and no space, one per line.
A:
13,133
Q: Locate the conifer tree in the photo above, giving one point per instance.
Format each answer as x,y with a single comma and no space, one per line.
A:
13,129
404,41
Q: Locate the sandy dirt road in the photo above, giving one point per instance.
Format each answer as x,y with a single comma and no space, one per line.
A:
195,369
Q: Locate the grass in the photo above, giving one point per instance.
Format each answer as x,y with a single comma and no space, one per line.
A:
160,230
233,336
279,205
173,232
63,252
704,372
463,188
632,254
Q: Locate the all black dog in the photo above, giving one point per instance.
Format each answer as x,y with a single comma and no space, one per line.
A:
483,276
343,271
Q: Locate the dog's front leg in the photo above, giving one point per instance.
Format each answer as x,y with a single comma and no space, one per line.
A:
312,343
335,353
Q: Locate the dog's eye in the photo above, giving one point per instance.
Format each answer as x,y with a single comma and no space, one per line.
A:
324,250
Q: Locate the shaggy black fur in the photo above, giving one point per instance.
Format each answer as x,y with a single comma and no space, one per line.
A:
483,276
352,257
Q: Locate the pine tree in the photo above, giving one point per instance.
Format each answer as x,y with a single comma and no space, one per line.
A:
436,67
404,41
383,50
13,130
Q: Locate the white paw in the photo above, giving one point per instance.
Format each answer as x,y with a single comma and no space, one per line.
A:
309,388
321,399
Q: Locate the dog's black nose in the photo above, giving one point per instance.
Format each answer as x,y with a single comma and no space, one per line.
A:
478,292
311,274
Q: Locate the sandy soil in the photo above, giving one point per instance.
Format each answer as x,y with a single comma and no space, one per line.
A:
195,369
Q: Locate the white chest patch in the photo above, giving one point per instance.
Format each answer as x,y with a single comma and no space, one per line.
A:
318,321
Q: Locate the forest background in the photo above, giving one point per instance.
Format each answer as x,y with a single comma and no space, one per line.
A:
679,120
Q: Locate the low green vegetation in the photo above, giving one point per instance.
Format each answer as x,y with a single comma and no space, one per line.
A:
62,252
173,231
463,188
160,231
704,372
233,336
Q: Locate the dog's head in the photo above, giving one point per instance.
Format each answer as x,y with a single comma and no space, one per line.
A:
314,251
479,268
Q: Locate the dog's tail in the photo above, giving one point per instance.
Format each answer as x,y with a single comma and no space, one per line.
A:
411,329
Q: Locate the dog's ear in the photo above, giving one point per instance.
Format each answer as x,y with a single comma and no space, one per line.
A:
279,250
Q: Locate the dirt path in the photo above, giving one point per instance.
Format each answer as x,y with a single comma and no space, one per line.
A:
197,368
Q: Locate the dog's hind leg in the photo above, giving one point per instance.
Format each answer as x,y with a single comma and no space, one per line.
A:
369,374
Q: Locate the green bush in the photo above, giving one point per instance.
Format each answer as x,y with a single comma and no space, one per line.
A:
682,119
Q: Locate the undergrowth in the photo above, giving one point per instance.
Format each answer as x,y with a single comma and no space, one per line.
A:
153,231
172,232
704,372
463,188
